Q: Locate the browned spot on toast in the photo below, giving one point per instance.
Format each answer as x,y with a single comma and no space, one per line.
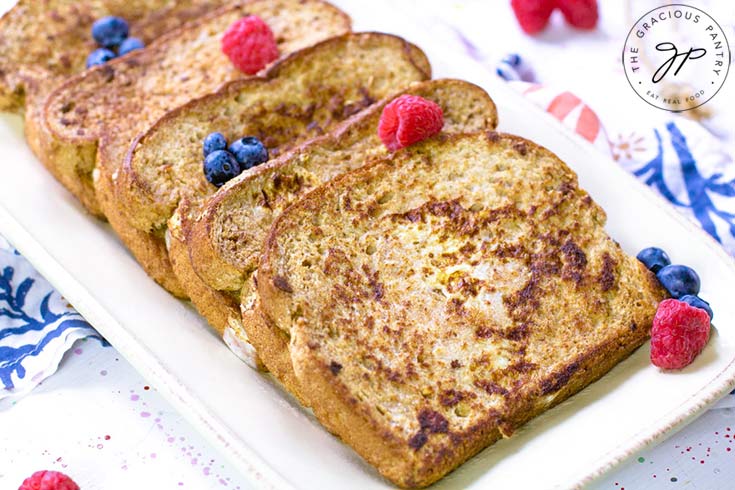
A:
433,421
282,283
575,262
450,398
335,367
522,367
493,136
521,148
607,274
559,379
418,440
490,387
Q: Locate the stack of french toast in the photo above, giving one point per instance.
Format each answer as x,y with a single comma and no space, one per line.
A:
423,301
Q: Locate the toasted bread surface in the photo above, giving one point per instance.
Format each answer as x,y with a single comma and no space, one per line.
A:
304,95
226,239
221,309
438,299
109,106
35,60
43,42
90,116
309,92
226,242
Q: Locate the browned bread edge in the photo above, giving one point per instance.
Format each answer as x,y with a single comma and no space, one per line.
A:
132,199
344,415
142,206
209,263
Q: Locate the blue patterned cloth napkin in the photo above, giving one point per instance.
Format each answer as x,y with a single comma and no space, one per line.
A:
687,165
37,326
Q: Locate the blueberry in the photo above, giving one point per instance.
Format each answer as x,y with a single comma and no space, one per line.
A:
99,57
507,72
214,142
513,59
220,166
249,152
679,280
110,32
698,302
130,44
653,258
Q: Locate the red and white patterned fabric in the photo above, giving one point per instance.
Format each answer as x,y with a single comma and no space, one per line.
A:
569,109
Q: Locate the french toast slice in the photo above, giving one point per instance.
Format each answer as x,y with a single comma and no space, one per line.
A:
95,118
308,93
43,43
438,299
224,243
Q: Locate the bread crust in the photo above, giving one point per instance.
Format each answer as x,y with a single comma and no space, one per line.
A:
146,204
574,306
149,249
466,108
272,343
34,62
90,138
220,309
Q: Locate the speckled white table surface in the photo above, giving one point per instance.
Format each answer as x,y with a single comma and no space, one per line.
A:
97,420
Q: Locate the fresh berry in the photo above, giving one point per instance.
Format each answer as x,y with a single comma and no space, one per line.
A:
507,72
678,335
679,280
220,166
48,480
698,302
250,44
249,152
582,14
653,258
99,57
409,119
533,15
214,142
130,44
110,32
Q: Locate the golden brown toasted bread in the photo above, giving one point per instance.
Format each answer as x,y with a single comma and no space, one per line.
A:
225,241
440,298
94,118
308,93
43,43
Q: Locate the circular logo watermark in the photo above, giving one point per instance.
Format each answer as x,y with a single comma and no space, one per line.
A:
676,57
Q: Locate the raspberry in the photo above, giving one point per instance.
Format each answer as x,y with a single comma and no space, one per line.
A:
679,334
582,14
533,15
48,480
250,44
409,119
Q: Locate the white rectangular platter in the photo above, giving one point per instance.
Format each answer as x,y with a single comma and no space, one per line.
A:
278,445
